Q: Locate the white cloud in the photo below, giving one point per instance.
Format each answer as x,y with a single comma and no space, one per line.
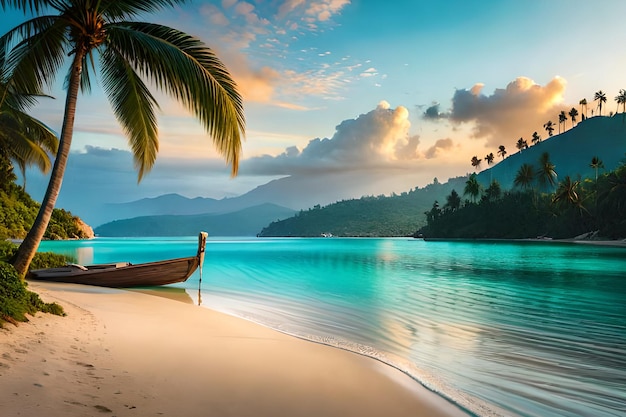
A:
377,139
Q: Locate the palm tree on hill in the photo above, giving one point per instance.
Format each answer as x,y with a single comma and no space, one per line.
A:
472,188
596,163
583,108
501,151
489,158
567,194
573,113
549,126
621,99
536,138
476,162
24,140
546,173
129,54
600,97
525,176
562,119
520,144
453,201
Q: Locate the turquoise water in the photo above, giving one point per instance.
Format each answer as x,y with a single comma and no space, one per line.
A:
519,329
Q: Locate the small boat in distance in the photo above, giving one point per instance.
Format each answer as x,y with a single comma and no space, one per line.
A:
125,274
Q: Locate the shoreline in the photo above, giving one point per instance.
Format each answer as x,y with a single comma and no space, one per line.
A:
614,243
135,354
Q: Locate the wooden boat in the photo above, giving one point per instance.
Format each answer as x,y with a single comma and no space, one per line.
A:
125,274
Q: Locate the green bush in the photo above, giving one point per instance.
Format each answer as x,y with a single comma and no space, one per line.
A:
16,300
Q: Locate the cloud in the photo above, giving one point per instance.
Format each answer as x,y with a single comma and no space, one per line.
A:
438,148
509,113
377,139
432,113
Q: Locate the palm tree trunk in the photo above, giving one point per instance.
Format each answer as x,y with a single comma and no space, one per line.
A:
29,246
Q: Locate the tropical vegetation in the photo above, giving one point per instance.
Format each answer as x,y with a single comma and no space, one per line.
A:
574,208
131,55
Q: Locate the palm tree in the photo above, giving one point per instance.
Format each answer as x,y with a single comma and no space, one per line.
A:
476,162
549,126
573,113
562,119
129,53
501,151
521,144
567,194
583,105
546,173
472,187
24,140
596,163
453,201
621,99
493,192
489,158
525,176
536,138
600,97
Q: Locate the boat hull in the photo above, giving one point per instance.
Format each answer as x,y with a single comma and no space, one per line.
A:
141,275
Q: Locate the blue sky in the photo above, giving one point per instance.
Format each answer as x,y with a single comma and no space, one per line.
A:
340,85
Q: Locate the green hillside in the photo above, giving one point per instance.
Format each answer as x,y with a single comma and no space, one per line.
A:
397,215
18,211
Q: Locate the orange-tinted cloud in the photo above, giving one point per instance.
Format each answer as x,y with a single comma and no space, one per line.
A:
509,113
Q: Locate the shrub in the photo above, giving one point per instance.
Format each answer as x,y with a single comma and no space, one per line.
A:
16,300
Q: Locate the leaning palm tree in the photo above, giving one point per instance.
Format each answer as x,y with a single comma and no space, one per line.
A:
129,54
600,97
573,113
562,119
549,126
501,151
546,173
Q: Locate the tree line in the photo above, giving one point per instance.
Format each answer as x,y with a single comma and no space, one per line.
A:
537,206
522,143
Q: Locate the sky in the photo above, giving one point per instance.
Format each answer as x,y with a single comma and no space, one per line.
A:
408,90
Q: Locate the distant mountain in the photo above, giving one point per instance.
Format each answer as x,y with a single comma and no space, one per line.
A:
295,192
246,222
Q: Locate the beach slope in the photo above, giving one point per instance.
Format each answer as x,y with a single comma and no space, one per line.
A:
125,353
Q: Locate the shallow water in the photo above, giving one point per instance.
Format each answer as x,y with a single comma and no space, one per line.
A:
521,329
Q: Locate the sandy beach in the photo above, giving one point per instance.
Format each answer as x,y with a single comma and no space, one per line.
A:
126,353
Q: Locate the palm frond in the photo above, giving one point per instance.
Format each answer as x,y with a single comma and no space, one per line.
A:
124,9
39,53
189,71
133,106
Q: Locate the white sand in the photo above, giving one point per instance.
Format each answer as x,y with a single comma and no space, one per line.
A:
123,353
